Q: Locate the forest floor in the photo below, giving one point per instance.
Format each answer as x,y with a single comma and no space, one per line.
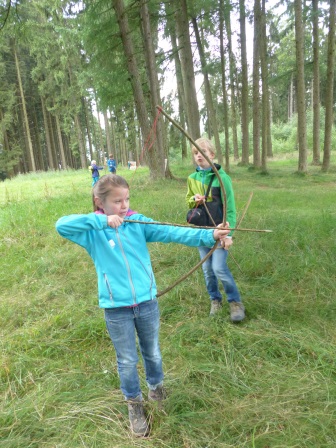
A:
268,382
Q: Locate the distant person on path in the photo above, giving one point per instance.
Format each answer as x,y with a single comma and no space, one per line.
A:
126,284
214,268
95,171
112,164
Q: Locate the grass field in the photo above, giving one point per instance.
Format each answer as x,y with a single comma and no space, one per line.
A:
268,382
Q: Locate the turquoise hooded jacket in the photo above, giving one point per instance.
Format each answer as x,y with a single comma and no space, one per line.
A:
121,257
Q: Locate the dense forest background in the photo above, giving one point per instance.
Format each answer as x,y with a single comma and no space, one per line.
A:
82,79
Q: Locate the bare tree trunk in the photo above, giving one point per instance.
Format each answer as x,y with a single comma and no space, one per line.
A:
114,136
330,87
32,165
154,87
232,82
69,157
269,122
60,143
39,159
87,123
80,142
133,70
47,135
301,91
256,80
179,80
245,101
187,65
4,134
316,87
264,100
101,140
223,78
94,131
208,94
52,124
107,133
291,99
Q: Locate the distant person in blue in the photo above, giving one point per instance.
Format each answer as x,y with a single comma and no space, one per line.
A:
95,173
112,164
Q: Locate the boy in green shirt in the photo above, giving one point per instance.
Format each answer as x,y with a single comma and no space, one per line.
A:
215,268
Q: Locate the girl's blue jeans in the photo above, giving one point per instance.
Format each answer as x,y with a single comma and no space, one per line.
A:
123,324
216,269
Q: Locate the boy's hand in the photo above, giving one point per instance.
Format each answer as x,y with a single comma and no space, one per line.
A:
114,221
227,242
221,233
199,198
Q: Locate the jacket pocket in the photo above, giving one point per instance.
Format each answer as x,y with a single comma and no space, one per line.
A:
108,286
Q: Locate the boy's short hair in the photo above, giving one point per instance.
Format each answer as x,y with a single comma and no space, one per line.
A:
93,162
204,143
110,155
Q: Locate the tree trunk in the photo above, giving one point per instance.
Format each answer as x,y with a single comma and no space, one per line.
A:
330,87
82,152
291,99
87,123
94,130
32,165
269,122
316,87
107,133
232,83
60,144
47,135
187,66
134,74
208,94
101,140
114,138
53,132
264,100
301,103
154,88
256,80
223,80
182,105
39,159
244,100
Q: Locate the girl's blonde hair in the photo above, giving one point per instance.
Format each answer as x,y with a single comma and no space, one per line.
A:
105,185
204,143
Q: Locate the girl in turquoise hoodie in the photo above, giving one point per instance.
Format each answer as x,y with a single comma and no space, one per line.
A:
126,284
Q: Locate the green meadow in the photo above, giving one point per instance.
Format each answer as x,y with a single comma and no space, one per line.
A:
269,382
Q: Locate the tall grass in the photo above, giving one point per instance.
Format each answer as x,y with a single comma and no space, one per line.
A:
268,382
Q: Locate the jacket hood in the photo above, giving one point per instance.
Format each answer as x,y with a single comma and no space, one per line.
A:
210,169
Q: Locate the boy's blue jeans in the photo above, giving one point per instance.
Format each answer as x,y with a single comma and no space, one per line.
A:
123,324
215,268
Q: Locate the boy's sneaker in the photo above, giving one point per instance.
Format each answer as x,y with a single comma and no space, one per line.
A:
136,413
216,306
157,394
237,311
